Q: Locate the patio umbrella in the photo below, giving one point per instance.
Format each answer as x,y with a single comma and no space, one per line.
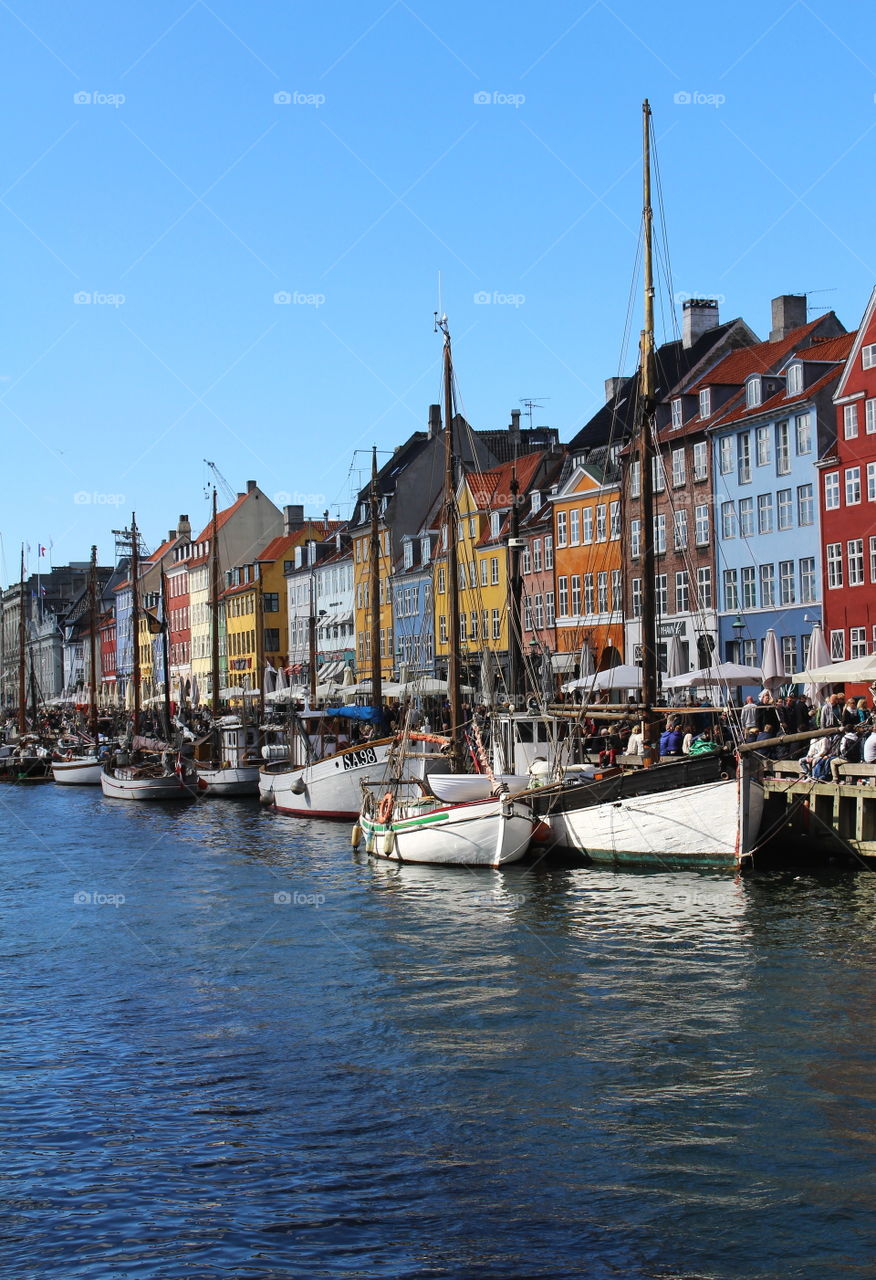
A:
585,662
773,663
817,655
349,677
195,693
269,684
129,696
620,677
731,674
282,683
488,681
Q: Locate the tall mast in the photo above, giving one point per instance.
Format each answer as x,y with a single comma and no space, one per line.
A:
311,641
92,646
647,454
260,643
22,647
165,627
450,524
515,583
376,669
214,604
135,617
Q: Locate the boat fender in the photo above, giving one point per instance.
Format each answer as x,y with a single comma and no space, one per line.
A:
384,812
389,842
370,843
298,787
356,836
724,776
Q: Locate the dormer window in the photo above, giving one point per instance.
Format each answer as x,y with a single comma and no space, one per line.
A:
706,402
495,523
676,414
408,552
425,550
753,392
535,500
795,379
868,356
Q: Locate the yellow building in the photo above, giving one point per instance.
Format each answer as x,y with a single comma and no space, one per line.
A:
362,602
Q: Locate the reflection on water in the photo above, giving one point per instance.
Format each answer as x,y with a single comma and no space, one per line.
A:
234,1047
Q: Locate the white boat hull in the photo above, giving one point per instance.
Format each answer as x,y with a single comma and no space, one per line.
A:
82,772
459,787
697,827
329,788
480,833
123,784
239,780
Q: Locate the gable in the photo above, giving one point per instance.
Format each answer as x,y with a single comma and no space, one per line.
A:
854,378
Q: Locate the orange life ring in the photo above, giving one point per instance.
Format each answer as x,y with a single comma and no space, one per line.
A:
384,811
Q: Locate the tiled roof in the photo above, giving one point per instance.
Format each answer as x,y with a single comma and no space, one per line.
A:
777,403
162,551
763,356
831,349
320,529
221,517
493,487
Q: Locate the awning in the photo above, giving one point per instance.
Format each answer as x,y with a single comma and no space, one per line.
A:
564,661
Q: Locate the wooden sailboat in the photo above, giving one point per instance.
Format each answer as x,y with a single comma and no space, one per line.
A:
409,823
84,769
665,815
27,760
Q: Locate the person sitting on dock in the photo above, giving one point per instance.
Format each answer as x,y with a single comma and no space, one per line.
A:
818,748
671,739
770,730
849,753
868,747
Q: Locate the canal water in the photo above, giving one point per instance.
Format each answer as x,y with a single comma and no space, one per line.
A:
234,1048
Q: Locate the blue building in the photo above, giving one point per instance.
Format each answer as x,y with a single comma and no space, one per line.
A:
764,454
413,614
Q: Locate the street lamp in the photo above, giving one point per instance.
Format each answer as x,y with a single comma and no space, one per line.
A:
738,625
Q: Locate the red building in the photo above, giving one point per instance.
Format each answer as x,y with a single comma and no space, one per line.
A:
847,491
106,630
180,638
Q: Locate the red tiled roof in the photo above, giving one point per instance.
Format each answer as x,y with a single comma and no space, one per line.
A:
777,402
321,529
736,367
832,349
122,585
493,488
163,549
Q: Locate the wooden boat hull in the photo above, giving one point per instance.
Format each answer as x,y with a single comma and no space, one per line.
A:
479,833
82,772
329,788
235,780
123,784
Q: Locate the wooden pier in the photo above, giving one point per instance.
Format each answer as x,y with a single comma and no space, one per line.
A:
834,815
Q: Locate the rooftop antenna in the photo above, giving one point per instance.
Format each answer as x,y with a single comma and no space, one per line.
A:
809,293
529,405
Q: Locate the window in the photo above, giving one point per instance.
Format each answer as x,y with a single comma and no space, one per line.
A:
870,417
535,501
587,520
561,528
549,552
526,562
725,456
574,522
635,478
764,513
442,580
272,639
271,602
676,415
680,535
636,598
868,356
602,591
658,473
549,615
803,424
749,653
497,625
787,582
805,504
834,564
588,593
661,604
783,449
873,566
763,446
408,553
850,421
485,624
600,522
682,592
563,592
462,575
660,534
576,595
474,624
536,555
837,646
614,521
704,587
855,549
494,570
749,590
617,602
789,653
807,580
752,392
700,460
746,517
728,520
705,402
743,456
731,591
495,523
635,537
702,525
831,491
472,526
483,571
463,624
767,586
853,486
539,612
857,642
786,509
794,380
442,629
678,468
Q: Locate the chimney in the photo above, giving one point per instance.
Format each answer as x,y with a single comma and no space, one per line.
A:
789,312
698,316
184,529
251,486
514,428
293,519
612,387
434,420
171,535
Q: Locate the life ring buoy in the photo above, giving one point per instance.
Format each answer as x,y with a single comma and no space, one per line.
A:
384,811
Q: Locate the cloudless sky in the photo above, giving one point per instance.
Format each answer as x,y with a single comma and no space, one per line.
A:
185,208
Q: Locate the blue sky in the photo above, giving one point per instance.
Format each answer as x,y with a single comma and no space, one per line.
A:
181,197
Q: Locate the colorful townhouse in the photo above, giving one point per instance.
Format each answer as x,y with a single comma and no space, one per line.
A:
764,455
536,530
333,584
413,617
847,499
588,564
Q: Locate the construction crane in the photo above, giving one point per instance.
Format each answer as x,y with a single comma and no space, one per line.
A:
224,486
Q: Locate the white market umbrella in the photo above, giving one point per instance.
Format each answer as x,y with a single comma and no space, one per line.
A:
430,685
732,674
773,663
195,692
674,659
270,680
817,656
349,677
620,677
281,683
855,671
182,691
585,662
488,682
129,696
